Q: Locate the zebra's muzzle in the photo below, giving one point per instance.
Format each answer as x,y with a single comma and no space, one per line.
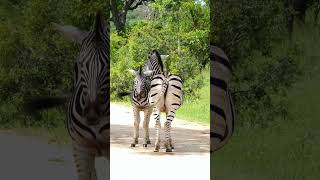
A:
92,114
141,95
92,118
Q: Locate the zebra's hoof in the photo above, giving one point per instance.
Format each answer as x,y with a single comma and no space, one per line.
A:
145,145
133,145
148,142
156,149
172,147
168,150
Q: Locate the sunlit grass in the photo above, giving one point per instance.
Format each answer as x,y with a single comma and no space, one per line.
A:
198,110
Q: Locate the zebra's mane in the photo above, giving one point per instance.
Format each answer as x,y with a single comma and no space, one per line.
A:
157,54
99,29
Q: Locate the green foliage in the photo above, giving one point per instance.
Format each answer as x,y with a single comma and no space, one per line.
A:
261,85
174,32
241,27
286,149
35,60
265,64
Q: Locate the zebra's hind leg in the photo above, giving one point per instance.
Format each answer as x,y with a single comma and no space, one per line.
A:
146,121
158,127
170,143
168,140
85,164
136,116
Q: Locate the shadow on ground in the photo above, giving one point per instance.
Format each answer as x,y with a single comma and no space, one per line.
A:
185,141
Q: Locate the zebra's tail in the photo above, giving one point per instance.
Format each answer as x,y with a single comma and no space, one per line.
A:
41,103
167,67
166,57
122,94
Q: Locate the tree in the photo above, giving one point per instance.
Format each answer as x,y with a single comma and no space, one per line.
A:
119,10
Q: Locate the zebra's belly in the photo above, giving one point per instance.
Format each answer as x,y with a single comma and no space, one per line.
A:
143,108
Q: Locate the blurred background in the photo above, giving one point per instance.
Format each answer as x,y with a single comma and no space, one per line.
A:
274,51
35,60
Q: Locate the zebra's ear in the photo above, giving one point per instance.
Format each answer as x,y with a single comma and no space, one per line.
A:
70,32
163,57
148,73
133,72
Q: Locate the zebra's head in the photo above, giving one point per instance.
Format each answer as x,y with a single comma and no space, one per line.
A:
91,69
141,84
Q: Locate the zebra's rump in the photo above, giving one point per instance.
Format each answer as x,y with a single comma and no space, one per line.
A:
167,91
221,103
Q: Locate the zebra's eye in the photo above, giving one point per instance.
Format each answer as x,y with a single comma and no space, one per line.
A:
84,98
84,94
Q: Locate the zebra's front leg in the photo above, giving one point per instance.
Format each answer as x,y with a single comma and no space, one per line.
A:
85,164
168,140
146,121
136,116
158,128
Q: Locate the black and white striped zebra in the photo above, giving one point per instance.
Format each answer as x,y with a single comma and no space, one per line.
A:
140,98
165,96
88,116
221,103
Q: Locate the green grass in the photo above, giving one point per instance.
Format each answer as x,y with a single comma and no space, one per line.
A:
198,110
288,150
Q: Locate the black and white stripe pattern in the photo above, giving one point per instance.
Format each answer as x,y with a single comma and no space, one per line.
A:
140,98
165,96
88,120
221,104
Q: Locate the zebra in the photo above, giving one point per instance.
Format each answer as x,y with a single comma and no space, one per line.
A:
88,116
221,104
139,95
165,96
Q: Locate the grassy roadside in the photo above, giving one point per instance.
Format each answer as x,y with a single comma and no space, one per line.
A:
57,135
198,110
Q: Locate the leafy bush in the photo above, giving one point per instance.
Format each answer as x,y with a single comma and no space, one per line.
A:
174,32
253,34
35,60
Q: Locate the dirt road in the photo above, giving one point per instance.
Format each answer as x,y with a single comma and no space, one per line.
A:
190,159
23,157
26,157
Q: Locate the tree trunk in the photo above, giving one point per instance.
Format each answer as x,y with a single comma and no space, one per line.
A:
120,22
118,17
